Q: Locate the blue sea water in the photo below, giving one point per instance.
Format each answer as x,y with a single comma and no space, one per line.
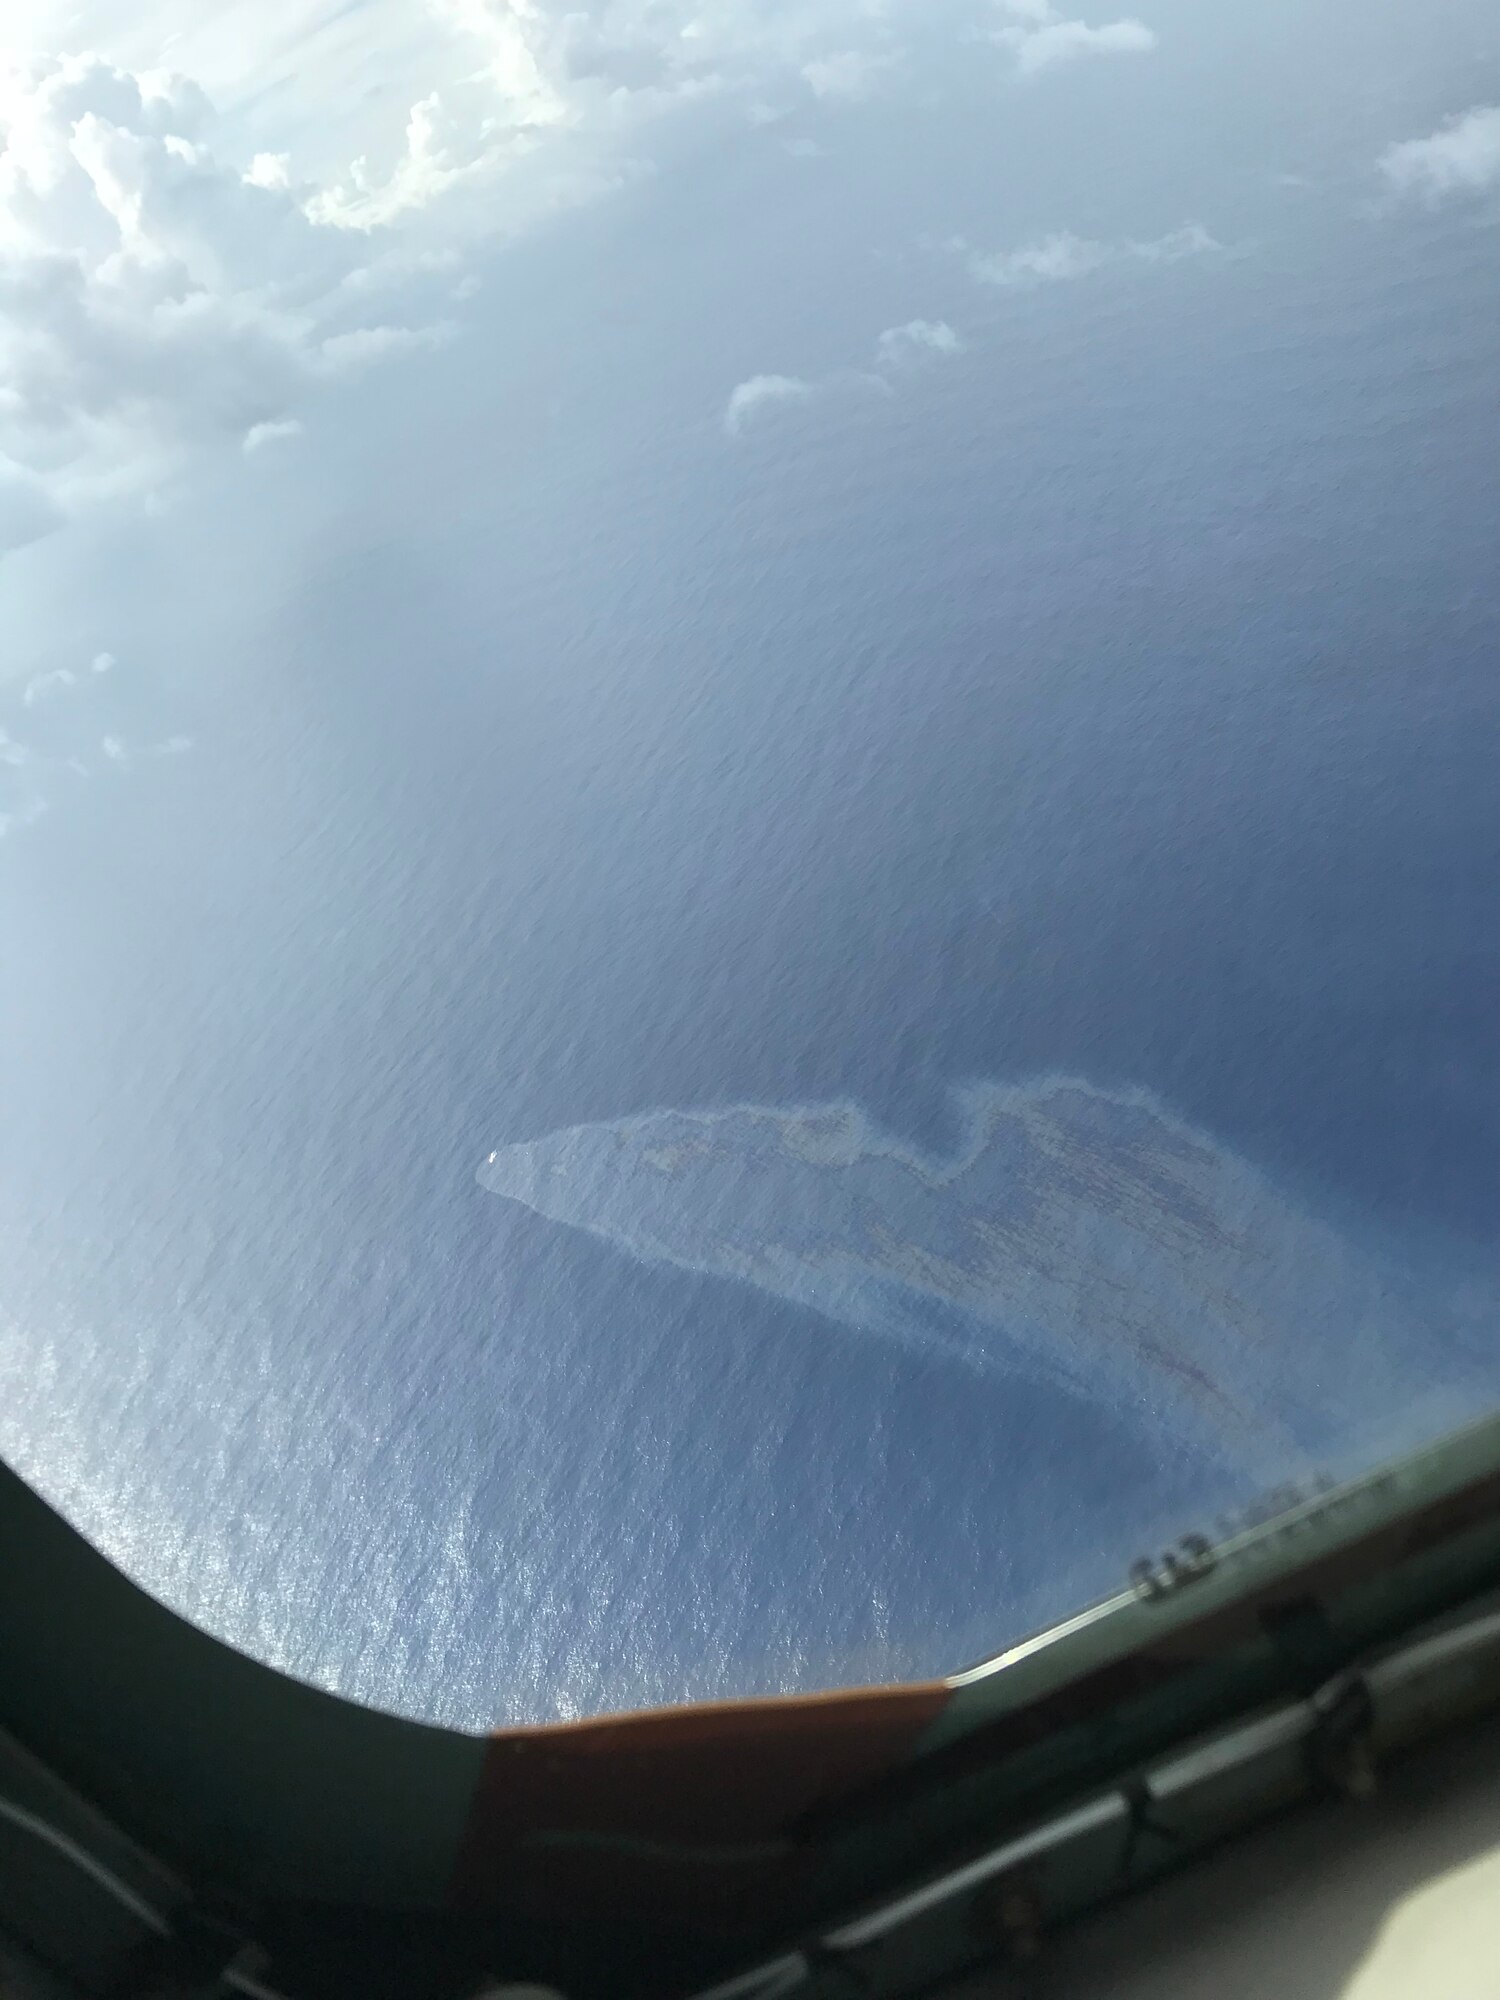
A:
1116,700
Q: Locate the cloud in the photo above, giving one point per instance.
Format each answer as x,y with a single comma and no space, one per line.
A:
763,392
852,73
572,81
1461,157
896,346
918,336
69,723
377,343
1052,259
155,301
269,170
1192,240
174,284
41,686
126,754
260,435
1042,39
442,148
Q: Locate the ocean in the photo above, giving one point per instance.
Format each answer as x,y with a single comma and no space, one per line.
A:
1112,700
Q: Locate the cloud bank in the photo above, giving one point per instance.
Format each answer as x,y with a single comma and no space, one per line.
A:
154,301
535,75
164,294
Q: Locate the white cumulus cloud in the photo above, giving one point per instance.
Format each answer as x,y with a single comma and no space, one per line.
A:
270,170
762,392
572,79
154,299
895,348
40,686
377,343
167,290
1062,255
444,145
1049,258
1041,38
1461,157
279,430
918,336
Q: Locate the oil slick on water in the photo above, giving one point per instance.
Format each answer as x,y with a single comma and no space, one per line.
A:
1075,1233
